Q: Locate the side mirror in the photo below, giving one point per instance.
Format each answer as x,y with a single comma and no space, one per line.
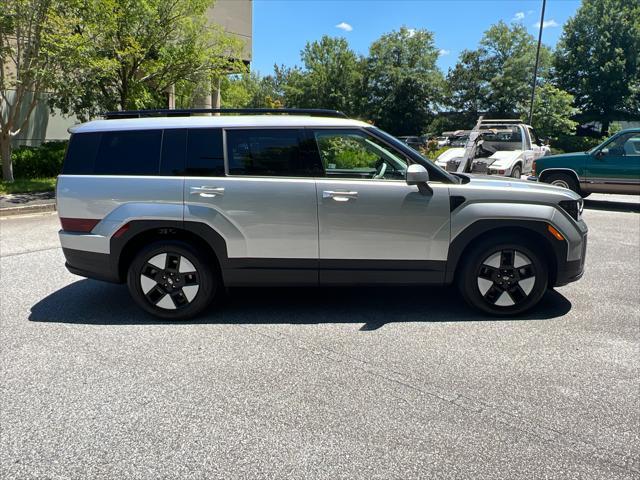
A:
602,153
417,174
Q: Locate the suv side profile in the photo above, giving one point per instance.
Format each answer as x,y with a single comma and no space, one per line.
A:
180,207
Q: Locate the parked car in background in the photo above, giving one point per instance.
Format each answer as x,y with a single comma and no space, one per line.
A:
611,167
415,142
504,147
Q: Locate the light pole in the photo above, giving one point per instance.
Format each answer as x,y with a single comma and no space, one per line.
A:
535,69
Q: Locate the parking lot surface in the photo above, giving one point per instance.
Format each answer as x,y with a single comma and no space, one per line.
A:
320,383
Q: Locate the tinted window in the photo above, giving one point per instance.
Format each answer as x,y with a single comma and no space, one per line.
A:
81,154
134,152
205,156
270,152
354,154
174,148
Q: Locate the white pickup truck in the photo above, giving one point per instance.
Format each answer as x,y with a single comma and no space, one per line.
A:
502,147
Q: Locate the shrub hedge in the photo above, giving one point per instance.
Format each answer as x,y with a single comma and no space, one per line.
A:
38,162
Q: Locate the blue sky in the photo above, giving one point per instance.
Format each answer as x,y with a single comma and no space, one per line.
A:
282,27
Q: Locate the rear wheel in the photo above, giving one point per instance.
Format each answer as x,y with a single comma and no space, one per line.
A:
503,277
172,280
516,172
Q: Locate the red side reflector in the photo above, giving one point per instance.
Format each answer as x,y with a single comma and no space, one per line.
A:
83,225
122,230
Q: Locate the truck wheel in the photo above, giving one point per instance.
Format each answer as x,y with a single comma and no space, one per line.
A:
564,180
516,172
172,280
503,276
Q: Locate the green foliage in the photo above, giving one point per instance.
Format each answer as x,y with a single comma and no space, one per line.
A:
137,49
572,143
330,77
552,112
433,154
28,185
598,59
496,77
402,83
344,152
43,161
447,123
249,90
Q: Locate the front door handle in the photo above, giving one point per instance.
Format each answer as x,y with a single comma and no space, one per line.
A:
207,192
339,196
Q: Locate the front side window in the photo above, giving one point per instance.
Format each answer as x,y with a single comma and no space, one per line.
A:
268,152
624,145
354,154
131,152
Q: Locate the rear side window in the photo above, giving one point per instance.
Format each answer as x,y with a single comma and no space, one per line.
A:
268,152
205,156
133,152
81,154
174,148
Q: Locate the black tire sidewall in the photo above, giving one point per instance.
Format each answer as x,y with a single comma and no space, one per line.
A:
519,169
207,287
573,185
468,275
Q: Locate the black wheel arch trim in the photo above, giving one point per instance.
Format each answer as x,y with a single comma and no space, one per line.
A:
558,249
550,171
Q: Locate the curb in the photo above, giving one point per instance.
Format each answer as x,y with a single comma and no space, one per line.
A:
39,208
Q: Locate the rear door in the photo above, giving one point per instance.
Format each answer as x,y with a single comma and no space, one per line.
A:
374,228
259,194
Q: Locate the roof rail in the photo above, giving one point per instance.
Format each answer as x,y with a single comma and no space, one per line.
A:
235,111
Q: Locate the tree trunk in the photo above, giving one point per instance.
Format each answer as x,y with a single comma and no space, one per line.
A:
5,154
605,126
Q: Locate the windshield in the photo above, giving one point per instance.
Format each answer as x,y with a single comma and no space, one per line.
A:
502,138
435,171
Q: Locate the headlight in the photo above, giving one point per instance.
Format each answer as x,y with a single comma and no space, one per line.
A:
573,208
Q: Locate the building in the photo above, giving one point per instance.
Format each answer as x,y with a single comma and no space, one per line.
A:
234,16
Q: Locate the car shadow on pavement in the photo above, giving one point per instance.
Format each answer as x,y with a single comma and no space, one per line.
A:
97,303
612,206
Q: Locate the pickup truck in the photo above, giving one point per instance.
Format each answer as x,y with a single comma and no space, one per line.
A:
611,167
503,147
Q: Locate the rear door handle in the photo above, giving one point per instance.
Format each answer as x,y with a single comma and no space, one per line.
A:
207,192
339,196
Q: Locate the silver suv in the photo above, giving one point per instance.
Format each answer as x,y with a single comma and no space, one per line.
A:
179,207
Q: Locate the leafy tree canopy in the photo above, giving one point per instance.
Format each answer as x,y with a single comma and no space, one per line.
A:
598,58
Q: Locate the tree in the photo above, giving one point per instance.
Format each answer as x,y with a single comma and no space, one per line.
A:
552,112
402,84
38,44
141,48
249,90
496,77
598,59
329,79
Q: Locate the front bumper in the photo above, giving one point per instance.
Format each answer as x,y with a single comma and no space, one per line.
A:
572,270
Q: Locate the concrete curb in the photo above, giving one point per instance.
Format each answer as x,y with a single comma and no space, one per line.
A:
26,209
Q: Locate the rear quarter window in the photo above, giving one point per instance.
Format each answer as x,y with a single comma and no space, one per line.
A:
134,152
81,154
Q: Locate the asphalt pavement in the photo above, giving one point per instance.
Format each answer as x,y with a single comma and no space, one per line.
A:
320,383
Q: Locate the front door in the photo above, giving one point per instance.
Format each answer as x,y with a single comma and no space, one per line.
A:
374,228
261,201
616,166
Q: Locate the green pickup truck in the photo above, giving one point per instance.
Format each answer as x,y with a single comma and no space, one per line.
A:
611,167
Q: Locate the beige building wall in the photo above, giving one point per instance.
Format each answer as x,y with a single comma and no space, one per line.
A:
235,16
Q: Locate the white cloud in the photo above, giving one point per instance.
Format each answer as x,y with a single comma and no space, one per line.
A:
344,26
444,52
412,32
547,24
518,17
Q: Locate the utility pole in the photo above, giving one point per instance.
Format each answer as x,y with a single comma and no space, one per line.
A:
535,69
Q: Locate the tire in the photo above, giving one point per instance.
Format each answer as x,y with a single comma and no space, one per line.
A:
563,180
516,172
172,280
503,276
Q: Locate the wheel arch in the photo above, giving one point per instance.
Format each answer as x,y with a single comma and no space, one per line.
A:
142,232
553,251
567,171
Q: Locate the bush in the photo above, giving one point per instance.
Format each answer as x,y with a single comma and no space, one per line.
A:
434,154
572,143
35,162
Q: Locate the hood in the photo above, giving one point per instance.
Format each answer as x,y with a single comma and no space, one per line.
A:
563,156
514,189
449,154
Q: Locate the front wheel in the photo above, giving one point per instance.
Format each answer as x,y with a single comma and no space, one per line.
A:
565,181
172,280
503,277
